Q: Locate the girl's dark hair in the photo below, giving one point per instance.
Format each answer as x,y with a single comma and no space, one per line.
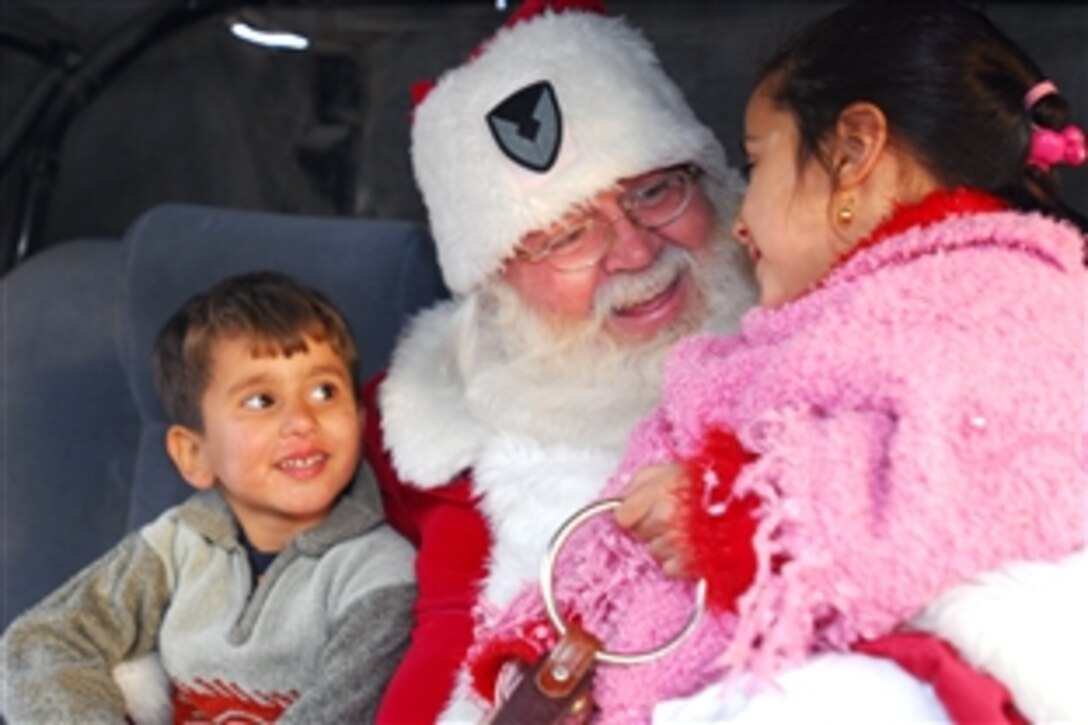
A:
950,83
274,313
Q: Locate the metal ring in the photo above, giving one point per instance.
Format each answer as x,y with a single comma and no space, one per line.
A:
548,592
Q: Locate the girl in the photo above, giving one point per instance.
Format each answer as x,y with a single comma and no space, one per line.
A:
888,459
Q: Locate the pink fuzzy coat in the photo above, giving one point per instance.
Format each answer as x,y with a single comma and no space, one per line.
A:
918,419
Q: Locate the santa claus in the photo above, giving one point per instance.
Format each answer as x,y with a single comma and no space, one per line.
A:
580,211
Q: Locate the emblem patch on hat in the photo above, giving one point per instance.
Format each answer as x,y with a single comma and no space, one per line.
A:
528,126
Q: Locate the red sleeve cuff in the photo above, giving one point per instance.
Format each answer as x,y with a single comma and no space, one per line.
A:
526,645
969,695
720,526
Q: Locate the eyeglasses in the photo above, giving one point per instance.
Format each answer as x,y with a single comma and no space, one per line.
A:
650,203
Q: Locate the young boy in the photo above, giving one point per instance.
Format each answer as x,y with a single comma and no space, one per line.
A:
276,592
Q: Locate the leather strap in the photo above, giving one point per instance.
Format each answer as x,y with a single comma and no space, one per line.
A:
558,687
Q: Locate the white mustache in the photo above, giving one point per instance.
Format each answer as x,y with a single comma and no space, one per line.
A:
627,289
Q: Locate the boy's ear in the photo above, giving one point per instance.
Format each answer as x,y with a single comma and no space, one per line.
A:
186,449
861,135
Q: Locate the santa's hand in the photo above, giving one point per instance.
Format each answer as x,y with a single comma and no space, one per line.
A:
648,510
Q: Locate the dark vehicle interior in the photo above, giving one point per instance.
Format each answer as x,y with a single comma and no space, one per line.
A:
152,147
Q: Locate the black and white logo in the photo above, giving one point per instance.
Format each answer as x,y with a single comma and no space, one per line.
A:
528,127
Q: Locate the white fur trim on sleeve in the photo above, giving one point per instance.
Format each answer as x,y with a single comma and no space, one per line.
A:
1026,624
830,688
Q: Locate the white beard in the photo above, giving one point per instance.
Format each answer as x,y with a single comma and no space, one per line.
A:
471,369
580,386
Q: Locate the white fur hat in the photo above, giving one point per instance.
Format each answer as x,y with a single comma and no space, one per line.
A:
554,108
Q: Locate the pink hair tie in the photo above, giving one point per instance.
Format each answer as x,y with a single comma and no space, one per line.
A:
1049,147
1037,92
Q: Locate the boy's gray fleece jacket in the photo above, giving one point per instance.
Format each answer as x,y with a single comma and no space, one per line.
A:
320,634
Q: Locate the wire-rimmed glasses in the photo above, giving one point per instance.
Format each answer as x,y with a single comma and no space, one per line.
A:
579,242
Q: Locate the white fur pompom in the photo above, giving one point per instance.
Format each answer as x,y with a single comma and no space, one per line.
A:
146,688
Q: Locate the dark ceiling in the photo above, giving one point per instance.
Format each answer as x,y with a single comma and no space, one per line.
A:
110,107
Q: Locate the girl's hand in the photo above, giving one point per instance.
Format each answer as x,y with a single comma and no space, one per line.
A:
648,510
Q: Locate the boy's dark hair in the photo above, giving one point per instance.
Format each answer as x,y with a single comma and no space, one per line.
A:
272,310
950,83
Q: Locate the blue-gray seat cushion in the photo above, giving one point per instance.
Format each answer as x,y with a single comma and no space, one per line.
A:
68,426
